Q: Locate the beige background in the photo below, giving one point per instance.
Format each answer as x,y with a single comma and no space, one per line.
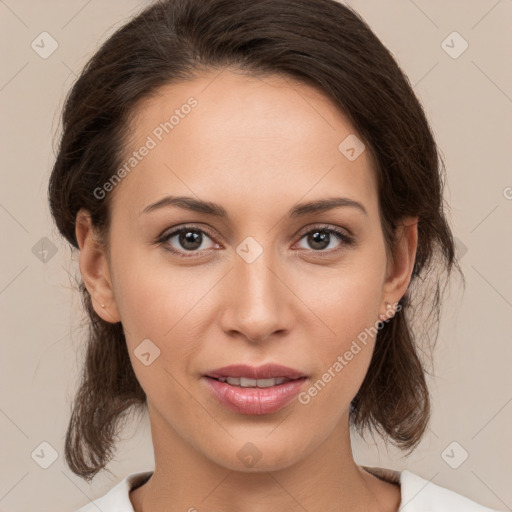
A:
469,103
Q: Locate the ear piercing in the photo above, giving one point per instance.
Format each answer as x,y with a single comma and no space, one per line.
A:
383,316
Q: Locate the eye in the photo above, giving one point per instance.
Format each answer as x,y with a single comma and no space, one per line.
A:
321,237
186,239
191,240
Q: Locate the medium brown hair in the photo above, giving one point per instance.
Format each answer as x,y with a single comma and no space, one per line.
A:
317,42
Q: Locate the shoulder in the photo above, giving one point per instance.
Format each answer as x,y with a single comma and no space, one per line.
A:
118,498
420,495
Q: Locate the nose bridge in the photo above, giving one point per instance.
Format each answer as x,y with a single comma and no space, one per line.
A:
257,301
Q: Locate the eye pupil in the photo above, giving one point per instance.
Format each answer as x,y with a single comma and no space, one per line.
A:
319,237
190,237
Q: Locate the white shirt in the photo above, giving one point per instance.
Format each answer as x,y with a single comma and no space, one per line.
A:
417,494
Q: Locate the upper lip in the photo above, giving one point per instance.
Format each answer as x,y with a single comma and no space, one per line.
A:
266,371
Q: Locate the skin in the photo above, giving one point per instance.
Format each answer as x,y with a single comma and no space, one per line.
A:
257,147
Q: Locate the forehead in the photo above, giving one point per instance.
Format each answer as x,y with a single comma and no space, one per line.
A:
257,139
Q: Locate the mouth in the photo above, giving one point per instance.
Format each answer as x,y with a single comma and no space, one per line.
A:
255,390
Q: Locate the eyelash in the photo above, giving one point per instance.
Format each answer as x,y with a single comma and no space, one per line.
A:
339,234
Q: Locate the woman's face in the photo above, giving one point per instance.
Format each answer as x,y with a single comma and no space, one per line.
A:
255,285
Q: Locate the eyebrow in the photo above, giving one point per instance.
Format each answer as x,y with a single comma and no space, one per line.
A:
209,208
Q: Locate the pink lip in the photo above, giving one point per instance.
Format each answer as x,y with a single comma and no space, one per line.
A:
266,371
255,401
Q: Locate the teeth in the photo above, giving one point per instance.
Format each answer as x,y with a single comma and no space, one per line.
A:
251,383
246,383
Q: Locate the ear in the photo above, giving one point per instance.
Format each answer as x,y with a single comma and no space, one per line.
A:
401,264
94,268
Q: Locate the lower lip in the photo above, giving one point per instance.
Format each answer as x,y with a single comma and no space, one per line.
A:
256,401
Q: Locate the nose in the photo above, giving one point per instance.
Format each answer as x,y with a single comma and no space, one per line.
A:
258,304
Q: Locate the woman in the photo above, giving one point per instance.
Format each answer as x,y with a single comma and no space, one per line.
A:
257,199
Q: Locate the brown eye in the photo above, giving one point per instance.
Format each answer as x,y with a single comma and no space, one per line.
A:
319,240
186,239
322,238
190,240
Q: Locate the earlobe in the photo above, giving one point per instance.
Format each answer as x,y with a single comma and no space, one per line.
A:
94,268
401,265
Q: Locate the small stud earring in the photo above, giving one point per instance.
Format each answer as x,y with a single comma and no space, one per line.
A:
103,305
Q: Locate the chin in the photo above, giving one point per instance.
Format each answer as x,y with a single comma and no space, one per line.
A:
259,455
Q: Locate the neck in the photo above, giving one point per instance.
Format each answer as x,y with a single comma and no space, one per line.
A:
326,479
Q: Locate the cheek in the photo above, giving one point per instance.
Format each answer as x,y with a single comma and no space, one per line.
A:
343,359
154,310
348,299
153,296
163,305
349,305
